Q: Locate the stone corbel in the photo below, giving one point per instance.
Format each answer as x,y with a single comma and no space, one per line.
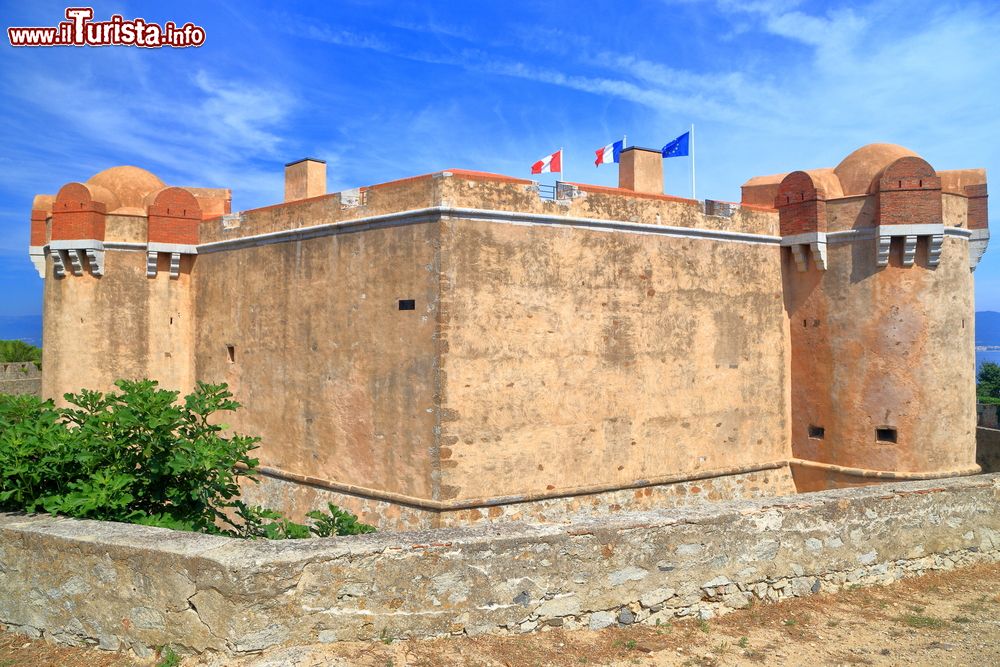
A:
909,249
977,246
884,244
58,266
934,244
75,261
73,253
802,244
910,234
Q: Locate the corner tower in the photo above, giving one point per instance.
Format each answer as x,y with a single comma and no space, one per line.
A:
878,290
116,252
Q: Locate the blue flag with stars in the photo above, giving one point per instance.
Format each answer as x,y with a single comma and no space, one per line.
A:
678,147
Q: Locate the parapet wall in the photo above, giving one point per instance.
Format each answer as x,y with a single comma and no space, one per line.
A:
134,587
20,377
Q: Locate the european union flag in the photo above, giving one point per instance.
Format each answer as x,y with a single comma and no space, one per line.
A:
678,147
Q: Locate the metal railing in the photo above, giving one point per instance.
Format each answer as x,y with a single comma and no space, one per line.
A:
558,192
722,209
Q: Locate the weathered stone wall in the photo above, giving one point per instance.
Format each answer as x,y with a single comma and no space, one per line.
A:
297,496
133,587
988,449
987,415
20,378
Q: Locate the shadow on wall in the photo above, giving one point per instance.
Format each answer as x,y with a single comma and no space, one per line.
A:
988,437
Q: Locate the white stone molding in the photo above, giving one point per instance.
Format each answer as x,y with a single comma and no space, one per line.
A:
977,246
151,257
183,248
175,264
37,255
909,249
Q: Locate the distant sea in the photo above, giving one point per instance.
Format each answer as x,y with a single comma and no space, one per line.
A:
987,355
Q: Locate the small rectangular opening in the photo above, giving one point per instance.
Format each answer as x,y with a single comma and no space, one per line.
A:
816,432
407,304
231,353
885,434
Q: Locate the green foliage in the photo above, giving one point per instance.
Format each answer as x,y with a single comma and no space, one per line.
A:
18,350
139,456
988,381
168,658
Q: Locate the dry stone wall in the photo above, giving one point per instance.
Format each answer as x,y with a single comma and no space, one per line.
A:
132,588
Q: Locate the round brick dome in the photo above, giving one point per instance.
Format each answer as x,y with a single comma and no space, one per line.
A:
130,185
858,170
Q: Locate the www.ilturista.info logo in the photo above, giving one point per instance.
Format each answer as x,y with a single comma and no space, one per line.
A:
80,30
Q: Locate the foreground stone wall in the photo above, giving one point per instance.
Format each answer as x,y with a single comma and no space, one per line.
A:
133,587
21,377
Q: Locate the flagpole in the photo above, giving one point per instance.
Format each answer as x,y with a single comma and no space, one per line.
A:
624,141
562,165
693,192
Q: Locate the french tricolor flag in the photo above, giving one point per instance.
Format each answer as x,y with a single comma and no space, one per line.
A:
548,164
610,153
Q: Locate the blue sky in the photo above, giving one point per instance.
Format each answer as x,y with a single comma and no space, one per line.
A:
388,90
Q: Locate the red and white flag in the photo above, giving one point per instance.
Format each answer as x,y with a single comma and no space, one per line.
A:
548,164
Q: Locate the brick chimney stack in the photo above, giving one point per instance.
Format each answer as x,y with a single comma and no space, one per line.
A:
641,170
305,178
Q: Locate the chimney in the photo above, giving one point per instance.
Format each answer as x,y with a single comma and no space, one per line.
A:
641,170
305,178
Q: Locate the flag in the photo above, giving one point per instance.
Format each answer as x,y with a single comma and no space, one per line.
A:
678,147
548,164
610,153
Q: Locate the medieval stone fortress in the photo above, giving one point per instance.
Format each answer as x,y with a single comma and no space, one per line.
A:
457,348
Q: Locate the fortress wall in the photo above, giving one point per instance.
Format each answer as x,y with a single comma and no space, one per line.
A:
602,203
577,357
885,347
120,325
338,382
133,588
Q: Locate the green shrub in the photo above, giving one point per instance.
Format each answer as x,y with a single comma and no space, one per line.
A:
18,350
139,456
988,381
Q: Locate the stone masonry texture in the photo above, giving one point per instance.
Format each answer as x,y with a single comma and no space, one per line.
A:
20,378
132,587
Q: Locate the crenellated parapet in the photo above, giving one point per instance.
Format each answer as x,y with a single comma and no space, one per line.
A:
174,216
880,193
123,208
801,204
908,205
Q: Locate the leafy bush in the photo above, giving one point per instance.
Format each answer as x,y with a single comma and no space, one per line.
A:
18,350
988,380
139,456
